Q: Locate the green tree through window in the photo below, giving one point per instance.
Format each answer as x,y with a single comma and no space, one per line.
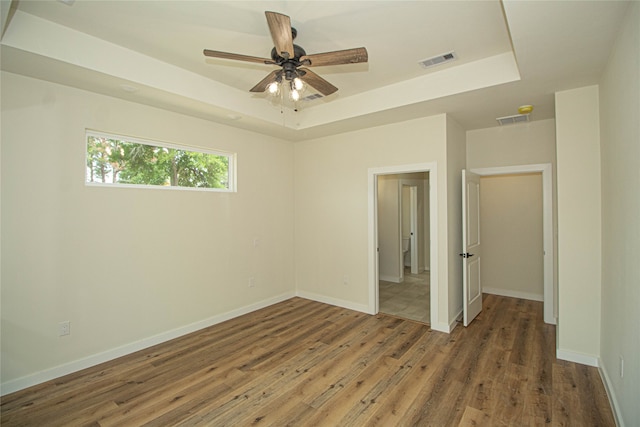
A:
119,161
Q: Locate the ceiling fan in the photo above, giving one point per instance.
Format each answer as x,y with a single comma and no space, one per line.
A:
292,60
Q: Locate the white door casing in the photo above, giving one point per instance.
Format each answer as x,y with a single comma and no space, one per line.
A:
372,173
471,248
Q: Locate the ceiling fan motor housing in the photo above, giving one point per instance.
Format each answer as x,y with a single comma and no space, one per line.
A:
298,52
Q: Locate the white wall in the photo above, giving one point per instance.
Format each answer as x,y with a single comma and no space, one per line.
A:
579,221
511,235
331,185
620,157
124,265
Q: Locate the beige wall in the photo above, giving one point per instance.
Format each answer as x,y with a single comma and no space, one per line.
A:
389,261
514,145
331,211
517,145
620,151
456,162
124,265
511,235
579,220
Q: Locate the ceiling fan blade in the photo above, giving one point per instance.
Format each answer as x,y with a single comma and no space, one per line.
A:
338,57
280,28
262,86
235,56
317,82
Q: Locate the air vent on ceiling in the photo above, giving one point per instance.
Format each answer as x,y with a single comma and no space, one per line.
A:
508,120
312,97
437,60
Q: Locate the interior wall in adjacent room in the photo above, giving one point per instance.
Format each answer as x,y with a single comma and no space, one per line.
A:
511,235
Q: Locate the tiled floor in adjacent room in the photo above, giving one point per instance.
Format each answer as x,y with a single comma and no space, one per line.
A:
409,299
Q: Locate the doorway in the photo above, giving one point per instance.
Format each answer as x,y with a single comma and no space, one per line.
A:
403,233
386,255
548,246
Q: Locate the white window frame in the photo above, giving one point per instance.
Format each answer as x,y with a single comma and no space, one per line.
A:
231,168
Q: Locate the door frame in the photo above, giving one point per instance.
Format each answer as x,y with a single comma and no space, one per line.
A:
372,221
547,227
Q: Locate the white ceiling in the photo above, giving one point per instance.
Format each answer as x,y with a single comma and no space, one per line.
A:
508,54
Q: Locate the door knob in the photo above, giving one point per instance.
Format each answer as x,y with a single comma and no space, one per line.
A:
466,255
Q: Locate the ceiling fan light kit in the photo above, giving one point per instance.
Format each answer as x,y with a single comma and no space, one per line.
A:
291,59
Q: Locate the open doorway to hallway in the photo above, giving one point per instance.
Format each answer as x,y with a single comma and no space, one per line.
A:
404,245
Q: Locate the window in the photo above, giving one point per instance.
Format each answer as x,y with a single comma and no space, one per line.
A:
124,161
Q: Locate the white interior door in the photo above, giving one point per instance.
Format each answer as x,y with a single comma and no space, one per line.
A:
471,250
413,202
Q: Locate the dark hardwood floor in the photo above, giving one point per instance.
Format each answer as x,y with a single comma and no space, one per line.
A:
306,363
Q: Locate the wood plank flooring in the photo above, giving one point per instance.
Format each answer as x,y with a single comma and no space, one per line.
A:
303,363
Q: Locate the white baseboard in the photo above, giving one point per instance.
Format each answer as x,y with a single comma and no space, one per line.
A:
393,279
454,322
447,328
350,305
440,327
87,362
513,294
610,394
581,358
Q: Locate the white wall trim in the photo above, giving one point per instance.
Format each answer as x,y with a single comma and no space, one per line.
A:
583,359
95,359
613,401
372,174
547,225
394,279
441,327
456,319
513,294
350,305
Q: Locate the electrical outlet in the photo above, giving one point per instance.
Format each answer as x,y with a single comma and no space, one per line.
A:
64,328
345,280
621,366
252,282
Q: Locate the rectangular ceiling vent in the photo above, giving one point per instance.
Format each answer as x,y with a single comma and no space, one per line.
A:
509,120
312,97
437,60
